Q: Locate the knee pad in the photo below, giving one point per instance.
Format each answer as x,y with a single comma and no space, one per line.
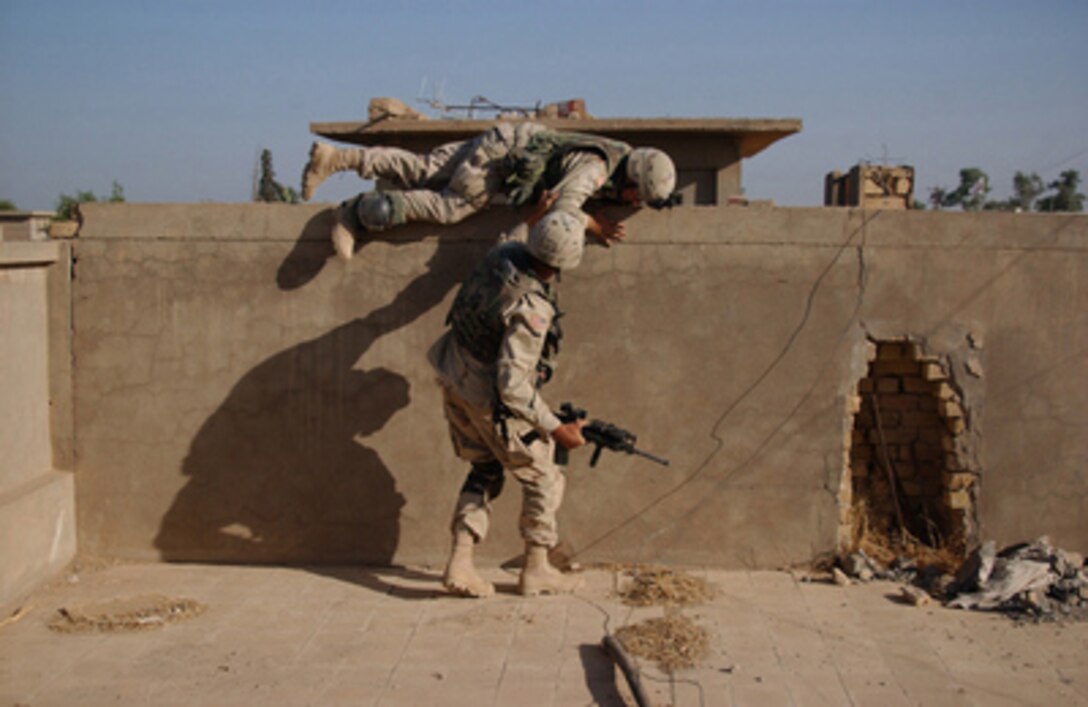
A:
378,210
486,479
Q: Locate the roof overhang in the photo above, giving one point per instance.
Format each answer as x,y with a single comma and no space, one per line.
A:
752,135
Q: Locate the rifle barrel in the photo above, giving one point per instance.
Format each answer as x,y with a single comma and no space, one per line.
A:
651,457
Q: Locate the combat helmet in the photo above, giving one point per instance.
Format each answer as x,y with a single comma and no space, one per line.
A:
654,173
558,240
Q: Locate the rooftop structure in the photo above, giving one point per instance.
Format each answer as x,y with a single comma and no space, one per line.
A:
707,151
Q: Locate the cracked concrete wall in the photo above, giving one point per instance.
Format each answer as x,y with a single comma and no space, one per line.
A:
242,395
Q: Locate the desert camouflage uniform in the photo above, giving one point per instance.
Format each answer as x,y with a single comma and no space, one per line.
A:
458,179
473,389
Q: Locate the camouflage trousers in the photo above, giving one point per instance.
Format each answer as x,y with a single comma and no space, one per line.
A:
478,440
452,181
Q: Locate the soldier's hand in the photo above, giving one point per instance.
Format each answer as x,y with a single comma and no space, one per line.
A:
569,435
609,231
545,202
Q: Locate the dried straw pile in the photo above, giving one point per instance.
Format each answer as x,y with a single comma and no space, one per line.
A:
674,642
132,614
652,586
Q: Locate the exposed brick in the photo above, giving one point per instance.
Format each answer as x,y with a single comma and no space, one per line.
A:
944,391
917,385
931,437
899,402
889,350
912,488
957,500
895,436
952,462
890,418
865,385
888,385
932,485
896,367
958,481
859,469
921,419
928,452
927,403
950,408
861,452
905,470
933,371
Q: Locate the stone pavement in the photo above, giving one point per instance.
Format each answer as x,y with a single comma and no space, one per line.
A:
351,636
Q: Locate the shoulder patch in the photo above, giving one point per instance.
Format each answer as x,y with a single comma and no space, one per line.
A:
537,322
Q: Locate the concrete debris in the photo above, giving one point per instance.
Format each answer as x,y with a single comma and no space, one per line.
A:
862,567
976,569
914,595
1034,580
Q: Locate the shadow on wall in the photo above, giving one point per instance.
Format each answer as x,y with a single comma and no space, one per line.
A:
279,472
276,474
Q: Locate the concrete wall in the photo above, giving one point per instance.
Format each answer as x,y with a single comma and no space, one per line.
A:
241,394
37,516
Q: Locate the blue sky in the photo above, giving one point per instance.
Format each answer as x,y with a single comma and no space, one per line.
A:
174,100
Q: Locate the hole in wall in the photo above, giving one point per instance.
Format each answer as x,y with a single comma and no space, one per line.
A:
911,489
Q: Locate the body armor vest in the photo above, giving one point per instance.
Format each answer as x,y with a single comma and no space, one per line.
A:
538,166
476,317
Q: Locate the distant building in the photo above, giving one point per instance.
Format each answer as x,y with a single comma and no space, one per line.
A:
25,225
871,187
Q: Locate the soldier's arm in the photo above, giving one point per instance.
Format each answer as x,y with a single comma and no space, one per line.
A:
516,373
585,174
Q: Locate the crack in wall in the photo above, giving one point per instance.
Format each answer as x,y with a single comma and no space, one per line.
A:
688,514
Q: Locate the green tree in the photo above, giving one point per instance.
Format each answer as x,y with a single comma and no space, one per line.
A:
970,195
268,189
66,204
1067,197
8,205
1026,189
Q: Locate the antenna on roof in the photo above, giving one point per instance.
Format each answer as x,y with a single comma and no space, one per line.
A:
884,157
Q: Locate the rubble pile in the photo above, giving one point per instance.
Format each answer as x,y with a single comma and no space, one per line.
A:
1034,581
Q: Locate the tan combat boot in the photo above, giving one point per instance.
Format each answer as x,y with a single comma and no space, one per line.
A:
540,577
326,160
461,577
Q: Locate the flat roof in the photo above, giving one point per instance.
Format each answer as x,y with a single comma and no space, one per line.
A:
752,134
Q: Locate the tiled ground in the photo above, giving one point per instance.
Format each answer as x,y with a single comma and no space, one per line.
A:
389,637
